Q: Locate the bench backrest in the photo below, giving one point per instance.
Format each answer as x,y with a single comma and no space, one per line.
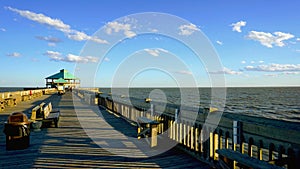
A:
46,111
36,112
50,106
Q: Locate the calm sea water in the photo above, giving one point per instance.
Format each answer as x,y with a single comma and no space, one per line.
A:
10,89
281,103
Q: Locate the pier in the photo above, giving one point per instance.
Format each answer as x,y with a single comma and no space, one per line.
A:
68,146
238,141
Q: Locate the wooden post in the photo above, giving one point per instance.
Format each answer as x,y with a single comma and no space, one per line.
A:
211,145
192,138
188,140
196,138
174,130
139,131
180,132
184,134
216,145
260,150
153,128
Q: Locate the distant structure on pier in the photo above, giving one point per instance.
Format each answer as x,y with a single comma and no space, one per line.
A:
62,78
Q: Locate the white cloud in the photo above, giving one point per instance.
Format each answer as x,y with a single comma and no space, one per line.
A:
117,27
243,62
153,30
283,73
219,42
237,26
49,39
184,72
56,56
57,24
261,61
227,71
291,73
80,59
2,29
106,59
14,54
268,39
40,18
155,52
274,68
271,75
297,50
188,29
298,39
51,44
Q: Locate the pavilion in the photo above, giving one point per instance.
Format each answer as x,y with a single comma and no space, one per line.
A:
62,78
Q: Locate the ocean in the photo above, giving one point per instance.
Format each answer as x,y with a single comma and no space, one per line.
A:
281,103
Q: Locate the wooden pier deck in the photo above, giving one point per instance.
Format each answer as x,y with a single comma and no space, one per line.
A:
70,147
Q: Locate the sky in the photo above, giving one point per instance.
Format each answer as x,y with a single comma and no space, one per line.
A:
120,42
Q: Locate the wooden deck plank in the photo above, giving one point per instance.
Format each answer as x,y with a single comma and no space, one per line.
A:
70,147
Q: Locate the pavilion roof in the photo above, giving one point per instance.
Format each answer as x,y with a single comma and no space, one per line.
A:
63,74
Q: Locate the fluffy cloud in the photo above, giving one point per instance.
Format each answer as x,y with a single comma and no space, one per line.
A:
227,71
237,26
274,68
117,27
268,39
2,29
184,72
298,39
80,59
106,59
49,39
155,52
57,24
14,54
291,73
243,62
219,42
56,56
188,29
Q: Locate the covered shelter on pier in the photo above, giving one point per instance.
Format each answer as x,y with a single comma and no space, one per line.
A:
62,78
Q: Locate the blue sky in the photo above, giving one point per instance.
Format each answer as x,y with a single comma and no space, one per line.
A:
257,42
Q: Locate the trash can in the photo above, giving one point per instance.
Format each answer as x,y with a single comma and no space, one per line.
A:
17,131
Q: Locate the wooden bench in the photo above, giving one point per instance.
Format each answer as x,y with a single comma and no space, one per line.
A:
50,114
227,156
45,113
147,128
36,112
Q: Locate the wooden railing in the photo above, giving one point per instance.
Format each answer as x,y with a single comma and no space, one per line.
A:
274,141
8,99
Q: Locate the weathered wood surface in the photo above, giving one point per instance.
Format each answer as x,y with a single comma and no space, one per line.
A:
69,146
